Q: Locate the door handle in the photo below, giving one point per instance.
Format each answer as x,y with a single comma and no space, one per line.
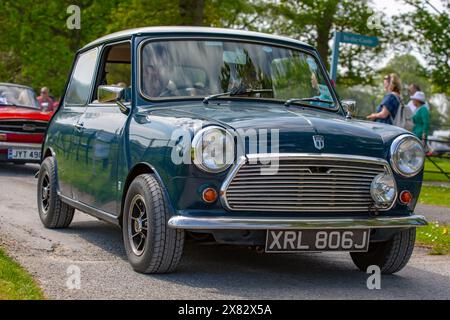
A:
79,126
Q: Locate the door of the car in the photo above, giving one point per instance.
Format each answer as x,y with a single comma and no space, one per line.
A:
64,134
102,140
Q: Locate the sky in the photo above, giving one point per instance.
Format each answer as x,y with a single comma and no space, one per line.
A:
393,7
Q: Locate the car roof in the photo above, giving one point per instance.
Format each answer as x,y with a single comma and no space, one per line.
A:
205,31
6,84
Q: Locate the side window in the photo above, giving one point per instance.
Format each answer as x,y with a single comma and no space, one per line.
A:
115,69
82,77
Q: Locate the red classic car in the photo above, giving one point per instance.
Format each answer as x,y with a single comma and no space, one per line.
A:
22,124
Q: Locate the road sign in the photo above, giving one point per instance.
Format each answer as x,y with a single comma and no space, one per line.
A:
353,38
358,39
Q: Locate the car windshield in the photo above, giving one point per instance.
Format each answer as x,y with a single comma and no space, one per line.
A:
201,68
18,96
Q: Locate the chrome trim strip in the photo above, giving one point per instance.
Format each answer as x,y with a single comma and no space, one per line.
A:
102,215
24,120
23,133
20,145
296,156
223,189
393,149
241,223
312,156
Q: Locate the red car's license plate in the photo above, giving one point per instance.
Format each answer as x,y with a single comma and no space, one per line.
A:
317,240
24,154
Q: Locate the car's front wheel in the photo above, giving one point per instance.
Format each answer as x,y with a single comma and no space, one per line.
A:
52,211
151,246
390,256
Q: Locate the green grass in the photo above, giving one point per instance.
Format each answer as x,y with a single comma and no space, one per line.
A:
436,237
434,195
443,163
15,282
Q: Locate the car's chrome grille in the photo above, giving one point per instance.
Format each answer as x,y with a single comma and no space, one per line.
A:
23,126
303,183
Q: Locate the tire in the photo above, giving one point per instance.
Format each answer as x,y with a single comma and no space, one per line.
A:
151,246
53,212
390,256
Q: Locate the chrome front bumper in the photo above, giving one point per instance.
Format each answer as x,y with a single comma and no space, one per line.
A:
6,145
237,223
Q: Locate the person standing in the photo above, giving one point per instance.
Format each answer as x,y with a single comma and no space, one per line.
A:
45,101
422,116
387,109
412,89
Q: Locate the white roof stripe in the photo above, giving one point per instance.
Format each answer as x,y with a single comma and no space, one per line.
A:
204,30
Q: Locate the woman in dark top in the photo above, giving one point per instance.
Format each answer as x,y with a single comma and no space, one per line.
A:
387,109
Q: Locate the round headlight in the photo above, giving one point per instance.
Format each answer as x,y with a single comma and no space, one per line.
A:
407,155
213,149
383,189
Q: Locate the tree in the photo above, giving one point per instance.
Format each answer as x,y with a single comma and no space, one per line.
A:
314,21
37,48
191,12
238,14
37,45
429,30
218,13
144,13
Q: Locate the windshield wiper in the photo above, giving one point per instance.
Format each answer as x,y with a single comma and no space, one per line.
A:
9,104
237,91
291,101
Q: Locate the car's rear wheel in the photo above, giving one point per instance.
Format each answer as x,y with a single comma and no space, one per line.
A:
151,246
390,256
52,211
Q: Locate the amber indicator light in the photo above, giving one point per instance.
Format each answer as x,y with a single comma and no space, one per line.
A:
209,195
405,197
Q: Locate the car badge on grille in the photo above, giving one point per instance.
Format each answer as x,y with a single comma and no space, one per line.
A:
28,127
319,142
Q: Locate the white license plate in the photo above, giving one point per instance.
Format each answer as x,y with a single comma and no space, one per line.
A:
352,240
24,154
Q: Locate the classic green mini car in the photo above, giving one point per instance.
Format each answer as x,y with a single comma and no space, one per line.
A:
237,135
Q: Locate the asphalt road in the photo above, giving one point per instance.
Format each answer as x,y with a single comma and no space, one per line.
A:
208,271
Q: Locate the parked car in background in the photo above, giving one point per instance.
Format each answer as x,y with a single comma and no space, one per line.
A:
235,134
438,145
22,124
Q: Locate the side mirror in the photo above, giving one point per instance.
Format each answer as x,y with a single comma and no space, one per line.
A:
115,94
349,107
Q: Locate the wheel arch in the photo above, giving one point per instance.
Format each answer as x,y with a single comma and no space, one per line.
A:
49,152
138,169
